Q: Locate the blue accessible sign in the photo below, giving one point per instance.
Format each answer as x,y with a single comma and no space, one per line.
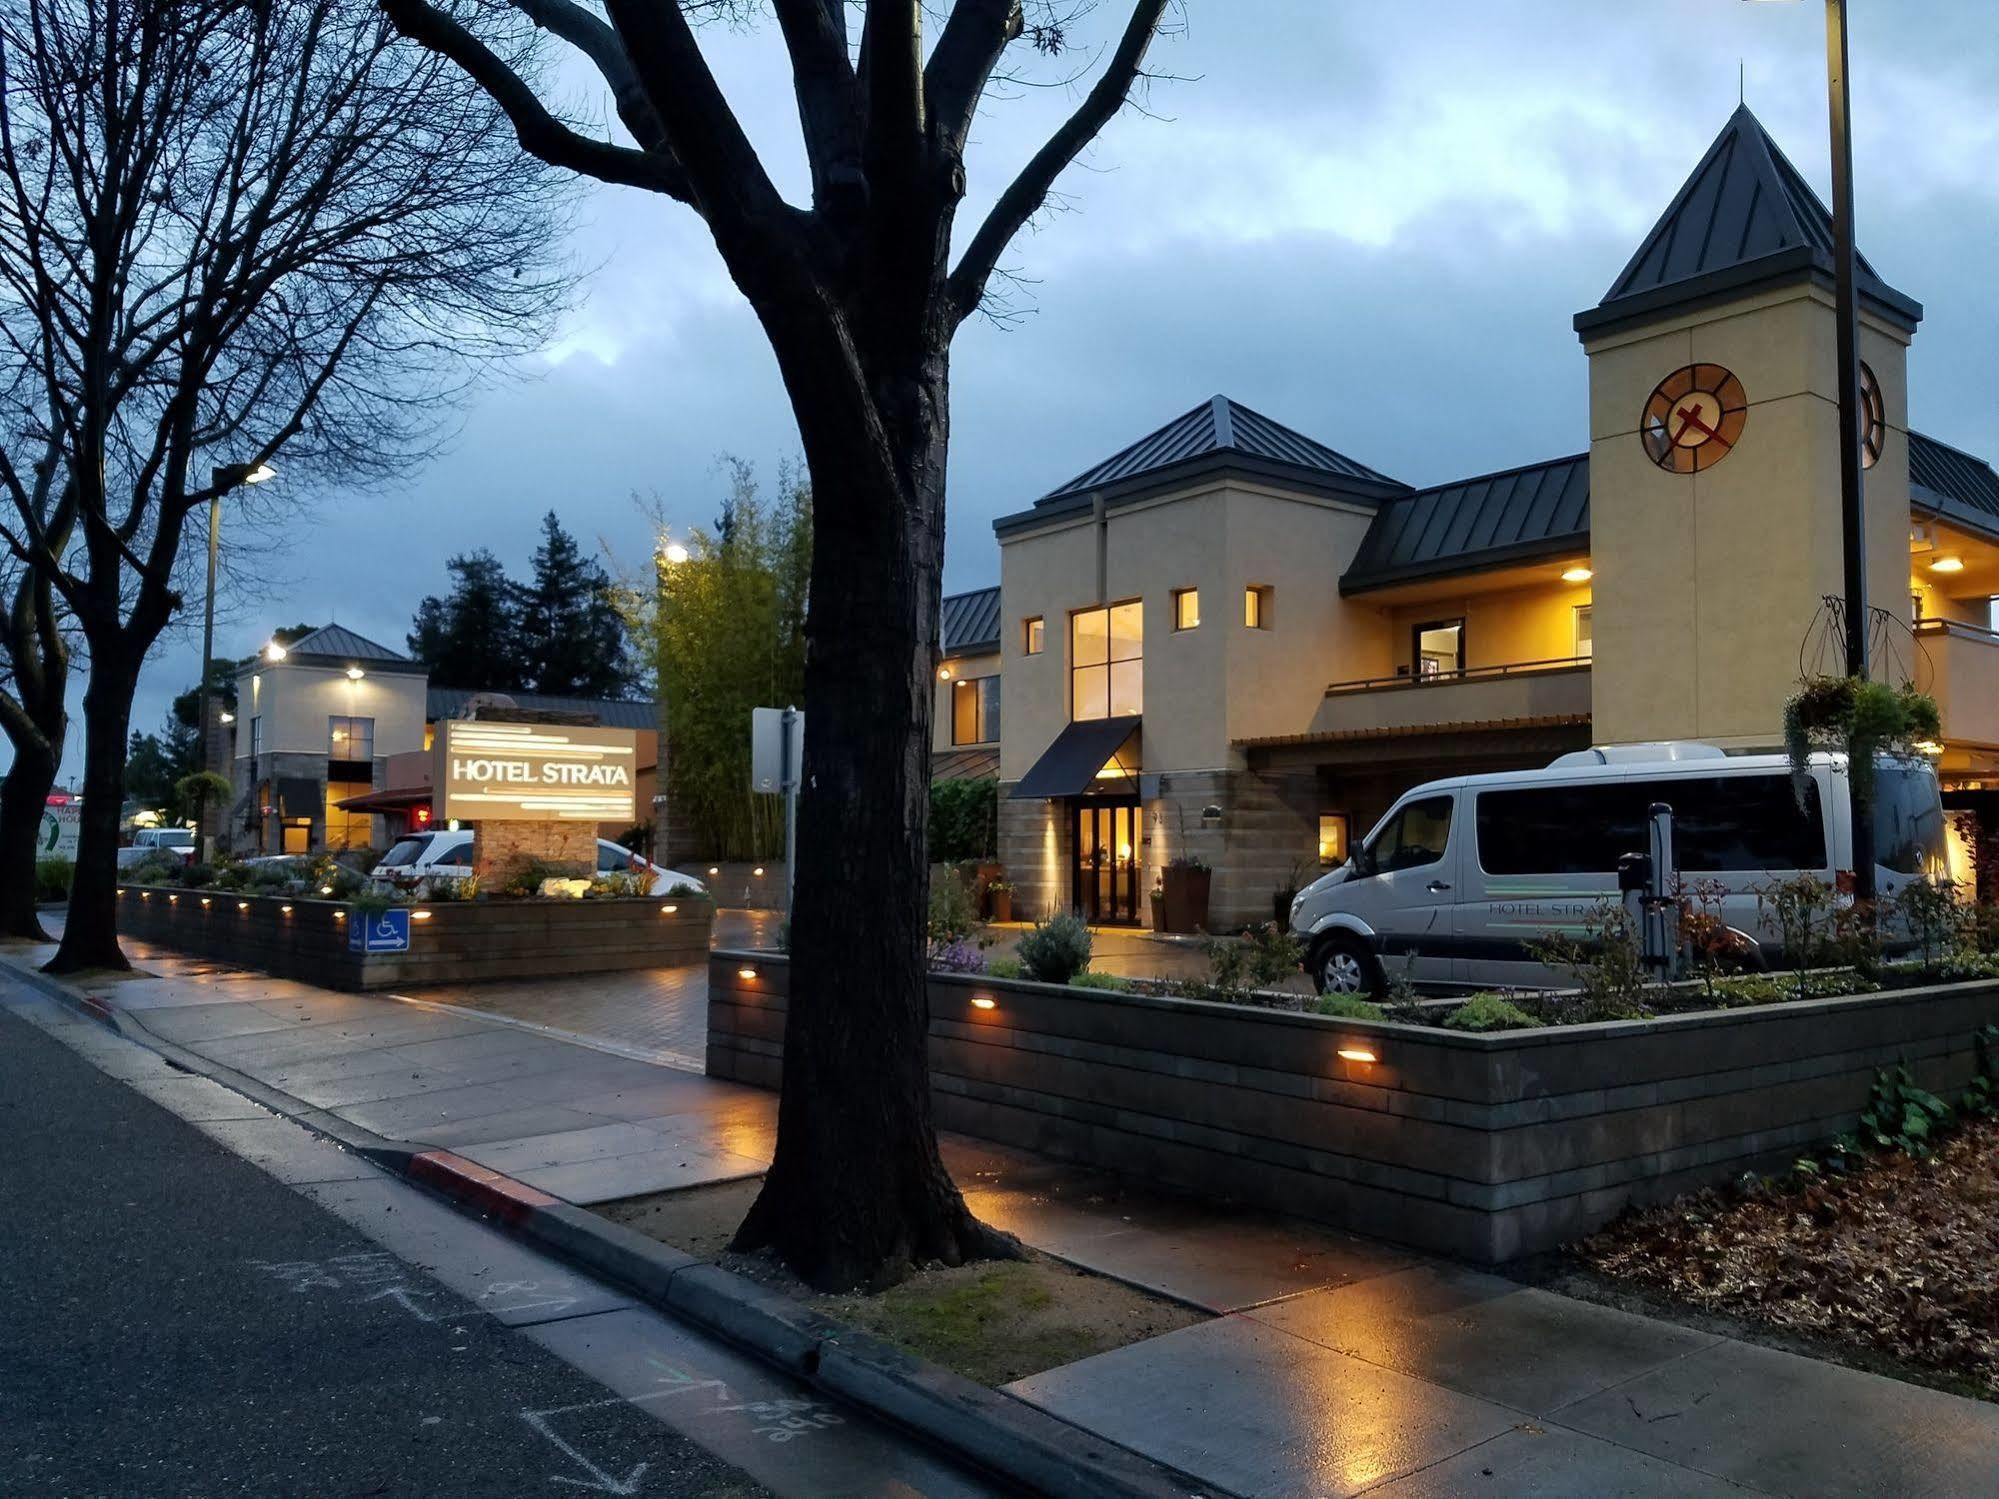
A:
380,931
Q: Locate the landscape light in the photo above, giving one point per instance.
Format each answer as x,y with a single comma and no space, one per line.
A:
1577,574
746,973
1357,1054
668,910
984,1002
275,652
943,673
419,916
355,674
285,910
242,905
1947,565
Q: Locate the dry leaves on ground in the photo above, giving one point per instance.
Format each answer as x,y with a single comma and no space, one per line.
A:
1901,1255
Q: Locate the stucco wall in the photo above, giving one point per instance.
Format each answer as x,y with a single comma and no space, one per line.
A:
962,669
295,703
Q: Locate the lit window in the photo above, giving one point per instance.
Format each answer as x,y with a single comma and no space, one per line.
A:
1585,633
350,739
1332,838
1440,648
1106,662
345,829
1186,608
1032,635
1256,600
975,707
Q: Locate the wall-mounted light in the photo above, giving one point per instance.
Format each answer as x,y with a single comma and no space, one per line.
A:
758,871
668,910
1928,747
984,1002
1577,574
325,889
1211,814
712,870
419,916
242,905
121,889
173,900
275,652
1357,1054
145,895
284,910
340,915
229,718
1947,565
943,673
355,674
204,902
746,973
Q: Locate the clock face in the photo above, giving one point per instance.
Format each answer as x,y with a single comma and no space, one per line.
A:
1694,419
1873,418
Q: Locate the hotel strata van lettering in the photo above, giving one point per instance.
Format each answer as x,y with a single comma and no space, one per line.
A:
524,772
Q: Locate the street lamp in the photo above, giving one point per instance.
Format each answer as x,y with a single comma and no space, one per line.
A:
1852,502
667,556
221,481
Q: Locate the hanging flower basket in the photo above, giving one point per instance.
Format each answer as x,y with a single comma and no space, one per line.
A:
1859,719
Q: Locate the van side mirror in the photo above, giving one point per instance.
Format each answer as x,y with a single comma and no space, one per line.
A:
1363,861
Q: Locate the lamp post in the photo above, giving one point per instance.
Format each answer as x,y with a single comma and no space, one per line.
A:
668,556
1852,484
221,481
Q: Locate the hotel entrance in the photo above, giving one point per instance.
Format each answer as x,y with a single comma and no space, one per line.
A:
1104,866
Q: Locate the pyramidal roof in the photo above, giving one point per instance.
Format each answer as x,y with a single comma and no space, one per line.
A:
338,640
1216,427
1745,217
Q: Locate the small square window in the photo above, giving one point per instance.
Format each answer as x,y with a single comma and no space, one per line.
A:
1332,838
1256,602
1186,608
1033,635
1585,633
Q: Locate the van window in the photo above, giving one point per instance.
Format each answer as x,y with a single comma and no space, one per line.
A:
406,850
1720,824
1908,819
1413,837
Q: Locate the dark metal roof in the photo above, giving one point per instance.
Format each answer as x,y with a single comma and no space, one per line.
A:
338,643
1515,516
1218,425
971,622
1953,484
1219,435
964,765
1073,761
1745,216
612,713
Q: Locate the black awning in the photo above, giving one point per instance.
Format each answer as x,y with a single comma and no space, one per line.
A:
1073,763
298,796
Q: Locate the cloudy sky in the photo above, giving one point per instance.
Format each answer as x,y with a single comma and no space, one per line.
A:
1370,221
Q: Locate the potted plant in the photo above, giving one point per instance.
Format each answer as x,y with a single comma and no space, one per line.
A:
999,893
1158,906
1186,881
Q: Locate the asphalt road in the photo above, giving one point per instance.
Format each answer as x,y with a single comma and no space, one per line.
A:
175,1322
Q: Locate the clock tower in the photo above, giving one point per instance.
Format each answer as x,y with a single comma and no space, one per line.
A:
1714,453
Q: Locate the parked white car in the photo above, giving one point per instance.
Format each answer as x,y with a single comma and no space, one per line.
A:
168,843
1462,876
448,856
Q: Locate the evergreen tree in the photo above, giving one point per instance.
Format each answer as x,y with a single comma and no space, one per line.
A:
572,634
472,637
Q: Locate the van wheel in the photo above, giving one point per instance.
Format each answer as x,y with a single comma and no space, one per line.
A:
1343,965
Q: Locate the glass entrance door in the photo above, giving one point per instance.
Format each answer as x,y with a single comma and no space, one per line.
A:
1104,875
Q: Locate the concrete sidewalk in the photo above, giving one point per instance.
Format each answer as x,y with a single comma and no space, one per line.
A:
1333,1364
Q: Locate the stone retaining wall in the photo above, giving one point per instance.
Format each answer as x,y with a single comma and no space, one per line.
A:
1488,1147
455,942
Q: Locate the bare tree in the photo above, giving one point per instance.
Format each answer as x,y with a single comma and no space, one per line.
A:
229,230
860,300
34,685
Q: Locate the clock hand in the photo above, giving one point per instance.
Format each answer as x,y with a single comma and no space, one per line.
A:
1690,416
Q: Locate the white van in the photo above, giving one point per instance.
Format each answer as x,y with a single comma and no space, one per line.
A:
1461,876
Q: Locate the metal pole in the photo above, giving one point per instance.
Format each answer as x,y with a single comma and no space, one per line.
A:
1852,498
207,668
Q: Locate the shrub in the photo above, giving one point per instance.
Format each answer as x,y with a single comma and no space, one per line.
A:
619,886
1004,968
525,876
1933,916
1607,964
1110,982
153,870
1262,958
1489,1012
953,916
681,888
1056,950
964,819
52,877
375,900
1348,1007
195,876
1802,908
445,888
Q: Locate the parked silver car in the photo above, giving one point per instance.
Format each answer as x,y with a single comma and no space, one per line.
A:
166,843
447,855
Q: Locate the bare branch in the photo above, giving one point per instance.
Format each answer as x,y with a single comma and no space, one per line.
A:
589,34
967,51
815,36
541,135
1026,193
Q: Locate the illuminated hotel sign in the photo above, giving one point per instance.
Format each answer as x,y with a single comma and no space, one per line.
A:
531,772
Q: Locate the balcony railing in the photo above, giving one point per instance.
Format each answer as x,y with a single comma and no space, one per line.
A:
1963,663
1558,688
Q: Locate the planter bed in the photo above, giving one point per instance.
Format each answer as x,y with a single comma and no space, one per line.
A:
305,938
1488,1146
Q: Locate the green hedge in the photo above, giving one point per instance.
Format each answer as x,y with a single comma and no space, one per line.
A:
964,820
52,877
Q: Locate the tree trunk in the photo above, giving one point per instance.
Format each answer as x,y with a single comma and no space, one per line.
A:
857,1194
90,933
23,796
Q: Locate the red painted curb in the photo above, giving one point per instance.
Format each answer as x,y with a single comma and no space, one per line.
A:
479,1186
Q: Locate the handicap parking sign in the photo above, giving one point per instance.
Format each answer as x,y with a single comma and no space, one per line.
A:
379,931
